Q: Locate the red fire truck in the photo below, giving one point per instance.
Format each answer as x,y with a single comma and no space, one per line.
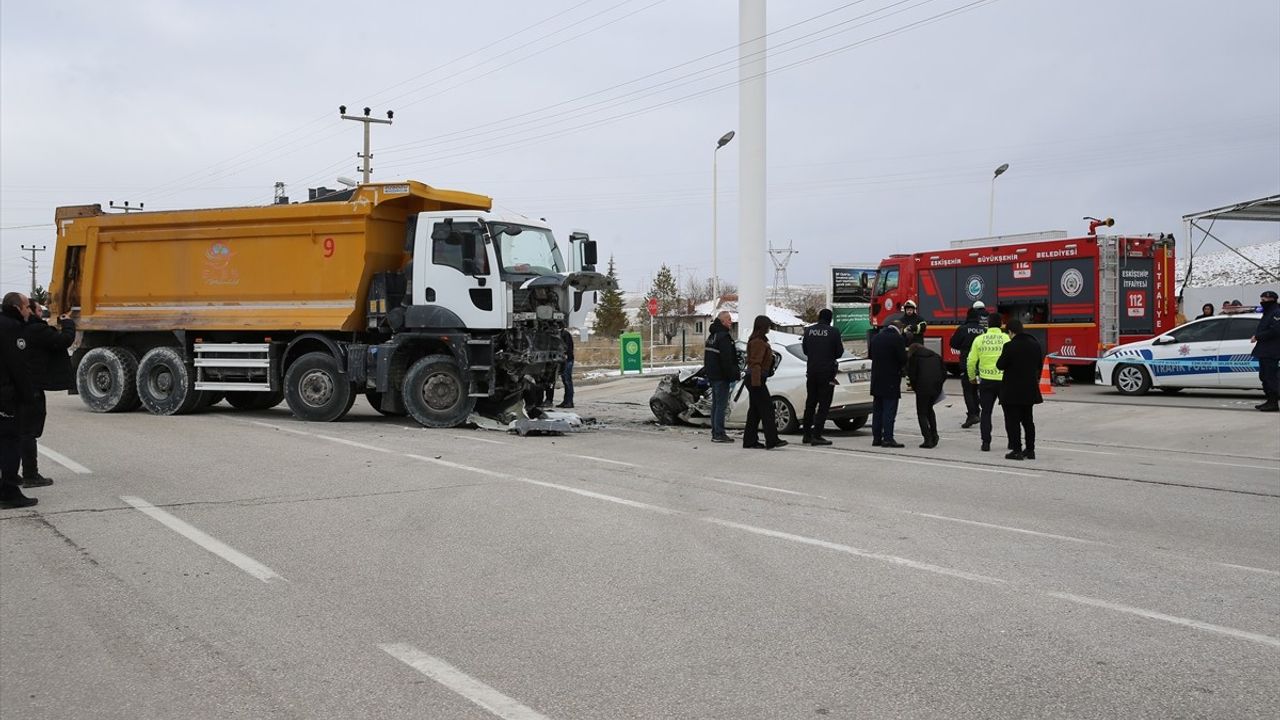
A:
1077,295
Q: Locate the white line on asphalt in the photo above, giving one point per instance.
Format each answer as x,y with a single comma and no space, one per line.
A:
900,459
1005,527
461,683
554,486
353,443
64,461
766,487
478,439
1153,615
892,559
259,423
604,460
1248,568
199,537
1087,452
1222,464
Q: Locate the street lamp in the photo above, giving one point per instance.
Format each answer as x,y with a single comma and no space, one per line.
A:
715,217
991,216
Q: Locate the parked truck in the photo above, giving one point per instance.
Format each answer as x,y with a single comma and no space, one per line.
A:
419,298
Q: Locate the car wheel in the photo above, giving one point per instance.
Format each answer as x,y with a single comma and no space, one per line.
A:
1132,380
664,414
784,416
851,424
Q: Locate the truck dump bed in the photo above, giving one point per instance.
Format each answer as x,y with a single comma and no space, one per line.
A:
303,266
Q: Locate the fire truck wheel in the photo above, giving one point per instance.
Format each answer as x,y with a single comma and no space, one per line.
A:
851,424
165,384
375,399
316,389
106,381
1132,380
435,393
784,415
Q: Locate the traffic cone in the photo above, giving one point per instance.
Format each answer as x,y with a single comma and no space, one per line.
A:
1046,382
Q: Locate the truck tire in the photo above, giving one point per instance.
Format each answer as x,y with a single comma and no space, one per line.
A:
375,399
165,384
106,380
316,389
244,400
435,393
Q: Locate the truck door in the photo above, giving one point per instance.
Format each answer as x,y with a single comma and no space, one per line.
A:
582,258
455,268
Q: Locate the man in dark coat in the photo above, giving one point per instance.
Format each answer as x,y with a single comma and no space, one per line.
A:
15,394
1021,359
822,346
927,372
49,368
888,353
1266,348
566,369
720,368
961,341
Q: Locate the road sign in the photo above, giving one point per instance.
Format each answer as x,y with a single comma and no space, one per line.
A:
653,307
631,347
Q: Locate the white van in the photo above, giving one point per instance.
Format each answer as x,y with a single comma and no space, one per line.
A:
1212,352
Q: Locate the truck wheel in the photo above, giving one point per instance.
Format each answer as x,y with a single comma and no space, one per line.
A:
784,416
165,385
316,390
435,393
1132,380
375,399
105,379
851,424
243,400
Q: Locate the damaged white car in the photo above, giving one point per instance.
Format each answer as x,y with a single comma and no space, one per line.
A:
686,398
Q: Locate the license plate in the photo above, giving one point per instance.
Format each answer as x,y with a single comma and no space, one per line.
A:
856,377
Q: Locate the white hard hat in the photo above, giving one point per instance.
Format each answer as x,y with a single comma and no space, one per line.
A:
979,305
909,304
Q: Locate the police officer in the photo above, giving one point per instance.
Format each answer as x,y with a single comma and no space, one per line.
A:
1266,348
822,346
981,366
49,368
913,326
15,394
961,341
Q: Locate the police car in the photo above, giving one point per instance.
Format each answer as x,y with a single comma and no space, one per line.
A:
1212,352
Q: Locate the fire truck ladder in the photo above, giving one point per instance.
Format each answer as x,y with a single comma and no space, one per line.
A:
1109,291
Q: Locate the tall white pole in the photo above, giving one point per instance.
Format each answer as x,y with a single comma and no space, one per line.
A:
752,217
715,223
991,216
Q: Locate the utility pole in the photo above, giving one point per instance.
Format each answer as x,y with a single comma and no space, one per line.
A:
33,249
366,156
752,198
125,207
781,257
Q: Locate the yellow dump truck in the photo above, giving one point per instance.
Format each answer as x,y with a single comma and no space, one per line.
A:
422,299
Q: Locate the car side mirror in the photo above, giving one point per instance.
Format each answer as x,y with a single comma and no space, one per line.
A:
1163,340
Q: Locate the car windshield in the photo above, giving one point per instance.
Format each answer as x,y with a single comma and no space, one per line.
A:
533,251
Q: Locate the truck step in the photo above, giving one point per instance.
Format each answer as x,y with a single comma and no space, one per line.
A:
480,368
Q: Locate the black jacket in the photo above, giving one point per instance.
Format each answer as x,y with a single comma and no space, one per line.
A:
823,346
926,372
15,385
962,339
720,357
1268,333
565,338
888,353
915,327
48,364
1021,360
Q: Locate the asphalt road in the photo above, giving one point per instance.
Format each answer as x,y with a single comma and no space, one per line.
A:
245,565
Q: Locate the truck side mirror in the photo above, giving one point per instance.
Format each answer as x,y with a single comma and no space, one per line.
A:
442,230
589,256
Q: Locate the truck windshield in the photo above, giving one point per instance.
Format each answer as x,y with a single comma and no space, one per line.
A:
887,279
531,252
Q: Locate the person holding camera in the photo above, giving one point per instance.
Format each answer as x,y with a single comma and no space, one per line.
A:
48,368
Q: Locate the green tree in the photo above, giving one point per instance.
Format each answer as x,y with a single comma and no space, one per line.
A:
41,295
670,305
611,316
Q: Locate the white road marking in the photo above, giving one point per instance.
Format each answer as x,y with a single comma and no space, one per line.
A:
858,552
1087,452
281,428
766,487
468,687
1068,538
1153,615
1248,568
900,459
478,439
1222,464
64,461
199,537
604,460
353,443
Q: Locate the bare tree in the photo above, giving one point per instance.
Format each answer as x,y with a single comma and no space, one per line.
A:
807,304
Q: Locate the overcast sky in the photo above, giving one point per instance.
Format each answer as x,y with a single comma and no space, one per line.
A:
602,115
